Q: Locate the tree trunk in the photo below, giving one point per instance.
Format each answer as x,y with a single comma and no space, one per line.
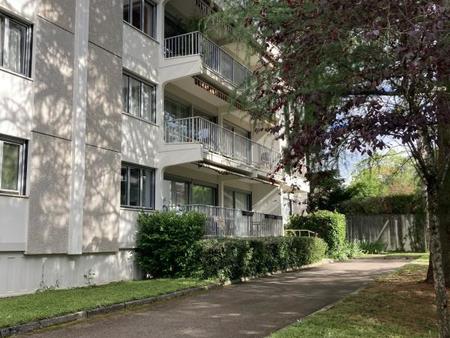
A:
437,263
430,279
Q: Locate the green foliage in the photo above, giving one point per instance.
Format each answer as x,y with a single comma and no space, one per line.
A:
373,247
384,175
347,250
167,242
52,303
170,244
238,258
327,191
329,225
396,204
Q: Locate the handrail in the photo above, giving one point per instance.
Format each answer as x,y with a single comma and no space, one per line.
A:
218,139
214,57
298,233
228,222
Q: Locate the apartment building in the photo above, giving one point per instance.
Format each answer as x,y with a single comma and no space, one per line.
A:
114,107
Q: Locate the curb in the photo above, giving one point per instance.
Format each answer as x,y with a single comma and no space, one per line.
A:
81,315
85,314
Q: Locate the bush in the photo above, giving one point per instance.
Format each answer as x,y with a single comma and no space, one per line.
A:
167,243
329,225
373,247
238,258
347,250
394,204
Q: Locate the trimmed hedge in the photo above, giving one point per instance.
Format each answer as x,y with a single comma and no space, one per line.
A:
238,258
167,243
171,245
329,225
395,204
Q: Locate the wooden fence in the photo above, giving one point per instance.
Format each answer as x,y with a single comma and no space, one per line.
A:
398,232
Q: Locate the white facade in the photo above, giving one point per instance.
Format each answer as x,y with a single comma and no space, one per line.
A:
96,154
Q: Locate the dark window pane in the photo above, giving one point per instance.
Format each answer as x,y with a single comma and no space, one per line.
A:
136,14
149,16
148,95
203,195
135,178
16,47
125,93
10,166
180,193
148,188
124,186
126,10
228,199
242,201
135,99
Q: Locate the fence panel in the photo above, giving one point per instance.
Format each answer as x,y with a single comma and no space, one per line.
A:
398,232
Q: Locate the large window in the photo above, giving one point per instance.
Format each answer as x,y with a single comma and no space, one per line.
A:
139,98
205,195
15,45
238,199
137,188
141,14
181,192
12,165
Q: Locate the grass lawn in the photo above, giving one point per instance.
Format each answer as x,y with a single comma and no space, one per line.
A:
41,305
397,305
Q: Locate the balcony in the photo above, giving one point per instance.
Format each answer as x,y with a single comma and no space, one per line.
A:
226,222
222,141
213,56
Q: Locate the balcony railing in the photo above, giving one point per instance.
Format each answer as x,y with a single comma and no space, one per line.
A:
220,140
214,57
226,222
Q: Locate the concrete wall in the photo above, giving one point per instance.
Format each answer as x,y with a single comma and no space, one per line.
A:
27,274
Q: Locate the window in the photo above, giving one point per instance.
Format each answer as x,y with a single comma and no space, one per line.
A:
12,165
139,98
237,200
141,14
15,45
180,191
137,187
202,194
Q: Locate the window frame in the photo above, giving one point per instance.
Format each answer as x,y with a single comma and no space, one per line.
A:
142,4
5,20
152,187
233,192
126,104
22,165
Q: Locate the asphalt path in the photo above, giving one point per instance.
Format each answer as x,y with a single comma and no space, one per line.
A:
252,309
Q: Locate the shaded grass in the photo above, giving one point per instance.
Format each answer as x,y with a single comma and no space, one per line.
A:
46,304
398,305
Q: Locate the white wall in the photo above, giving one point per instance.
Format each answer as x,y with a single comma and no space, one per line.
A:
13,223
27,274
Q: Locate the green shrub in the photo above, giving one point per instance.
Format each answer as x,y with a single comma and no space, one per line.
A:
373,247
381,205
329,225
167,243
347,250
238,258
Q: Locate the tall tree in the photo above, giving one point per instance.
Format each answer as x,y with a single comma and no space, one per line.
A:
348,74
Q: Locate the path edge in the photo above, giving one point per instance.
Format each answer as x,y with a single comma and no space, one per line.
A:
9,331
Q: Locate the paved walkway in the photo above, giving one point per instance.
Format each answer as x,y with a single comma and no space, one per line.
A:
253,309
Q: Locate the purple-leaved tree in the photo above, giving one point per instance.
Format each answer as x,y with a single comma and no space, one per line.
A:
350,75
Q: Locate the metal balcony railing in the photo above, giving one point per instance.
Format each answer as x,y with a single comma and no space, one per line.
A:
220,140
227,222
214,57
